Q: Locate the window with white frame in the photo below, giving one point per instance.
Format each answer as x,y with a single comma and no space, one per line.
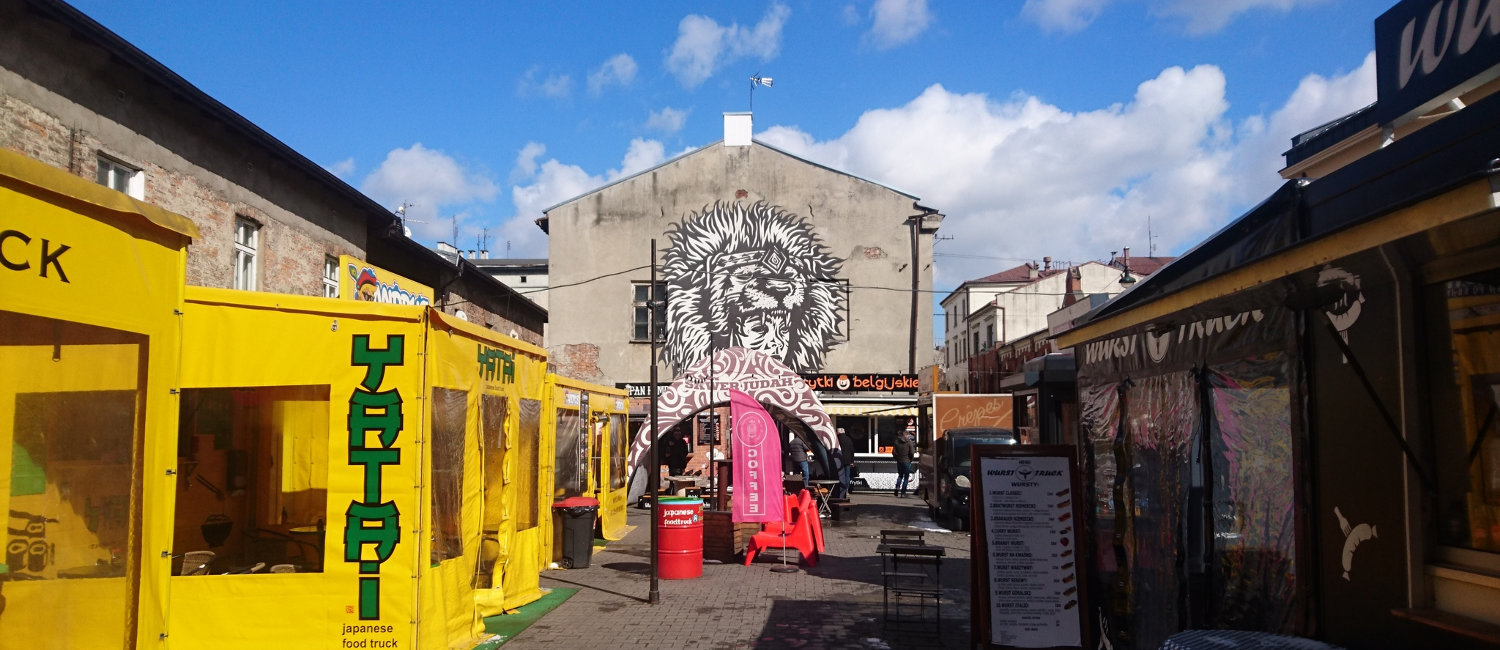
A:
246,242
330,276
121,177
641,308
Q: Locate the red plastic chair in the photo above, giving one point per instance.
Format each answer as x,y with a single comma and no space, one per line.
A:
778,535
805,503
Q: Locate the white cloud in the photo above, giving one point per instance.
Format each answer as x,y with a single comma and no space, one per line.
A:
342,168
554,85
640,156
555,182
1317,100
526,161
668,119
434,183
618,70
1063,15
1000,168
703,46
1208,17
897,22
1197,16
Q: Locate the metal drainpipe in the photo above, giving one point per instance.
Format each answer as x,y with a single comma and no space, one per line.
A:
916,297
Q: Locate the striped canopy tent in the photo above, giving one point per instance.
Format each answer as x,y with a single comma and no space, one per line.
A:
707,382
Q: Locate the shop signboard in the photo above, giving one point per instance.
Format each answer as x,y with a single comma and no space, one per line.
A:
1427,51
361,280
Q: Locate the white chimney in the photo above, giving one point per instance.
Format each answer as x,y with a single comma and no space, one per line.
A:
737,129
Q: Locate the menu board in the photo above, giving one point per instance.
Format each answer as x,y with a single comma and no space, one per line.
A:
1026,503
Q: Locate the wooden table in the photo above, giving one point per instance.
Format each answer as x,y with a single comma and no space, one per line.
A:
681,483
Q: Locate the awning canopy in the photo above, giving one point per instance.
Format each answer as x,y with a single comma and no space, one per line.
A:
870,409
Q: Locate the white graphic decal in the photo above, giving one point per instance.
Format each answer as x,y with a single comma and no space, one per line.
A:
1156,345
1352,539
1345,311
743,370
754,277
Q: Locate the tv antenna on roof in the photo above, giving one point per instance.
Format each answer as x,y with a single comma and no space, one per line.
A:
401,217
1150,239
757,80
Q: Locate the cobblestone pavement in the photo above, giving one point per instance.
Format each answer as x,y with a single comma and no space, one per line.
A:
837,604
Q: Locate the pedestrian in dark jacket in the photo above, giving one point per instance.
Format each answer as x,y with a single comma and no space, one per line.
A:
903,453
673,453
797,450
846,463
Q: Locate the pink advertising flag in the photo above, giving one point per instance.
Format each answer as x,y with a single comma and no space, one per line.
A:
757,461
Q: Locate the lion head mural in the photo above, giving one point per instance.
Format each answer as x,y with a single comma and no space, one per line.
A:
754,277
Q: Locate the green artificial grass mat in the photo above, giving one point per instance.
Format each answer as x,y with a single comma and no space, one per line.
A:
506,626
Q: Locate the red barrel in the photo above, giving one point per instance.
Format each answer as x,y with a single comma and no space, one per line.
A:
679,543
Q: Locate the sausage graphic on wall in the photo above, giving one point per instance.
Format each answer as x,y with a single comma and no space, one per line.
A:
1352,539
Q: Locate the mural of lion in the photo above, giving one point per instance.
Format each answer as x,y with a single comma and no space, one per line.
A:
755,277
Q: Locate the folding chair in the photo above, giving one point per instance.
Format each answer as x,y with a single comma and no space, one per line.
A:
195,563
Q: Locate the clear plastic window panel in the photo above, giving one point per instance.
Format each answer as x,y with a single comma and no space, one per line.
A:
567,478
1162,418
619,443
448,414
528,465
1100,421
70,396
1253,573
252,480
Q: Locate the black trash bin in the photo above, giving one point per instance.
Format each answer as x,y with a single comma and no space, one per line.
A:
575,518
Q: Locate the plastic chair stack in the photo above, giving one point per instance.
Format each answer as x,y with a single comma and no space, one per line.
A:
800,530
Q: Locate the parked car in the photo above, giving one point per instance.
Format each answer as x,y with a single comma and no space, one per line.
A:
945,471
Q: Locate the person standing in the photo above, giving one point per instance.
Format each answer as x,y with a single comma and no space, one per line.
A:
846,463
797,450
903,454
673,453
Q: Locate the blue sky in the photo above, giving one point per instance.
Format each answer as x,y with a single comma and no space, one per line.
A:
1038,127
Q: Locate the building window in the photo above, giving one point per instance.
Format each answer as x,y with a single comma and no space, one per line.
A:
246,241
1466,388
330,276
641,307
121,177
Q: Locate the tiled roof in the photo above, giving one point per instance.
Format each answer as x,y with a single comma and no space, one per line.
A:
1020,273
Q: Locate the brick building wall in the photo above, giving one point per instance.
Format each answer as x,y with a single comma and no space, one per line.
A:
70,92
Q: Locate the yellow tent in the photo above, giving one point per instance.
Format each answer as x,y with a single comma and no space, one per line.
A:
373,465
192,467
90,285
592,447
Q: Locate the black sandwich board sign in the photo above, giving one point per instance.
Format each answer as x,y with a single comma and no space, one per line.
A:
1026,581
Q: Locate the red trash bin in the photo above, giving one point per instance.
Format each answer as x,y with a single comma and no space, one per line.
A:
679,543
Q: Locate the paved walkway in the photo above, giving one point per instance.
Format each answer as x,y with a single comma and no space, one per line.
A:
836,604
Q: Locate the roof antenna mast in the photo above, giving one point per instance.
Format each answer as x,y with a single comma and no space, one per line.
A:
757,80
1150,239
